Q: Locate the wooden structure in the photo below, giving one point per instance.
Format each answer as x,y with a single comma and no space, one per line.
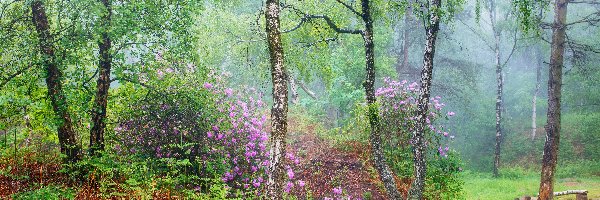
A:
581,195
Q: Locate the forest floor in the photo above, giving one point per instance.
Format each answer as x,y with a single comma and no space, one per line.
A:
324,167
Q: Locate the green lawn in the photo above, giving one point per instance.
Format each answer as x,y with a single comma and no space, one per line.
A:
479,186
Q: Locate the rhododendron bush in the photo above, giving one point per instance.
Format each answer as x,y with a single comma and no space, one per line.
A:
220,131
398,110
397,103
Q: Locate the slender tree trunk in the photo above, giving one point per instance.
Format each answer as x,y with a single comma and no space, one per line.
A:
103,83
500,84
305,88
66,133
536,92
276,173
385,173
554,86
405,43
418,140
293,89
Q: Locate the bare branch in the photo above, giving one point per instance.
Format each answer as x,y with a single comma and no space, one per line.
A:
591,19
350,8
326,40
330,22
478,35
513,48
132,81
9,78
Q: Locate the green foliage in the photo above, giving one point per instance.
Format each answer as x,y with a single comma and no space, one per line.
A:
50,192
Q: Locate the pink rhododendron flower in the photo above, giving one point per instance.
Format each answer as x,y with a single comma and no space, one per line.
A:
207,85
337,190
301,183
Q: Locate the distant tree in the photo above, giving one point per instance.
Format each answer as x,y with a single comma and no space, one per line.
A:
536,90
500,62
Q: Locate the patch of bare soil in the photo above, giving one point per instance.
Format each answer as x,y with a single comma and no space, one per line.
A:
324,168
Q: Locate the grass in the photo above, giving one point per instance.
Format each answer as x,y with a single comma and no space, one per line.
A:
483,186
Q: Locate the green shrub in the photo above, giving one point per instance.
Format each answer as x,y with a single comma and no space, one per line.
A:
47,192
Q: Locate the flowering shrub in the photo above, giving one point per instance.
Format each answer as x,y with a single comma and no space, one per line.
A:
398,110
218,130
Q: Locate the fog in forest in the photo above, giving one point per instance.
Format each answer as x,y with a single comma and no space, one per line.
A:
310,99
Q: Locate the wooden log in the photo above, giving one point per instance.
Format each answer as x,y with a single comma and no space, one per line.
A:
571,192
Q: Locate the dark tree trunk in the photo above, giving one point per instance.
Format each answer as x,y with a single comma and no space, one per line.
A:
499,87
419,146
103,83
385,173
66,133
554,86
536,91
276,179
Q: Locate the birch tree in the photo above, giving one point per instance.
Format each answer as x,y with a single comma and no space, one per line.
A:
418,139
276,172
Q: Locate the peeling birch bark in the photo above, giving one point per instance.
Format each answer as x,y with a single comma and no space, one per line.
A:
418,139
276,172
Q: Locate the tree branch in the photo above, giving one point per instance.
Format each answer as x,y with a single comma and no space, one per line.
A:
7,79
330,23
513,48
478,35
350,8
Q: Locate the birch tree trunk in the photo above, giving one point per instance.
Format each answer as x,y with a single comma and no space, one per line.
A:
276,173
419,146
405,43
499,87
385,173
293,88
554,86
103,83
536,92
66,133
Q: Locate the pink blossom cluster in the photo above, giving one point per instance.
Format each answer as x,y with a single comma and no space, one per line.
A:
240,135
293,162
398,106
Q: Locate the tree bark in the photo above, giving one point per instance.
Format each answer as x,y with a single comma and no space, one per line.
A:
536,91
276,173
554,86
66,133
293,88
103,83
418,140
305,88
385,173
499,88
405,43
